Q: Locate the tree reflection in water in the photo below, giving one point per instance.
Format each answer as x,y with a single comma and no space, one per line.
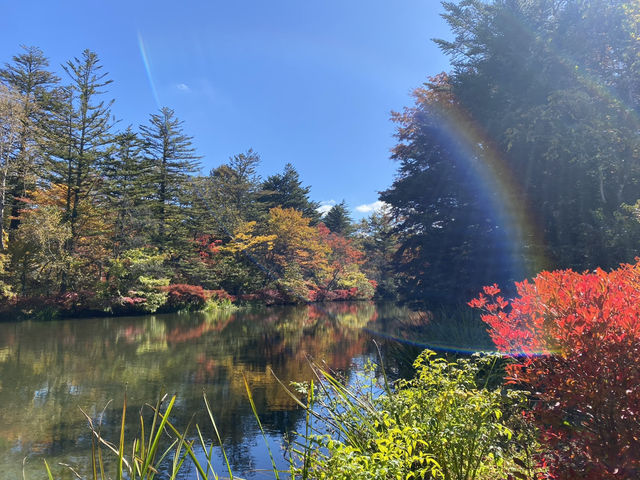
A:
48,370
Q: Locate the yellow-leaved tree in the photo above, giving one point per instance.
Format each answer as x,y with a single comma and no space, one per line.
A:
297,243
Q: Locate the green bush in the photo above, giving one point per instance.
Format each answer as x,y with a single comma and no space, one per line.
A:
292,286
124,273
150,289
442,424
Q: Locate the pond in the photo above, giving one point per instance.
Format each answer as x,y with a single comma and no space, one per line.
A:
49,371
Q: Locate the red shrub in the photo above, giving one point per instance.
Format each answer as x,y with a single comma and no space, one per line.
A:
65,304
576,338
186,297
272,296
342,294
222,295
76,301
128,305
315,295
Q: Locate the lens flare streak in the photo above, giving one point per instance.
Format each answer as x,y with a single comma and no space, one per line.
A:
147,67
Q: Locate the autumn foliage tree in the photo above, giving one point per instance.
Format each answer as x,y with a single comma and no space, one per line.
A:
343,266
342,254
123,222
575,339
296,242
38,253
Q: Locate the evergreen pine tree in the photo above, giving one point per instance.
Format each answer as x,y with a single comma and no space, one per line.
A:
28,76
285,190
127,185
11,121
338,220
231,192
173,158
78,142
379,242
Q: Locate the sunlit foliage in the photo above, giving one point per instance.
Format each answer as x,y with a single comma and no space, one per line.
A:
581,337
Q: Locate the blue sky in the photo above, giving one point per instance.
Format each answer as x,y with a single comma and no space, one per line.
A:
311,83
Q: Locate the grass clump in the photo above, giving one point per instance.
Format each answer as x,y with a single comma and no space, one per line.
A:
158,447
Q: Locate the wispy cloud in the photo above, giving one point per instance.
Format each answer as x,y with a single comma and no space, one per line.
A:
371,207
183,87
325,206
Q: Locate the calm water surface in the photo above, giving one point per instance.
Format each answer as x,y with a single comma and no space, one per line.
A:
49,371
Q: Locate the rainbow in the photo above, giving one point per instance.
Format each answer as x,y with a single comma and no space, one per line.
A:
496,179
496,183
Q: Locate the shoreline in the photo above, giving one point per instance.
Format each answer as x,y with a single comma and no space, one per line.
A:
46,312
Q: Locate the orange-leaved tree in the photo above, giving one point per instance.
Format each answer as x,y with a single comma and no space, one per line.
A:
343,266
41,243
342,253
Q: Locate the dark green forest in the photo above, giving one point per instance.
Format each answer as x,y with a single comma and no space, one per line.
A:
542,99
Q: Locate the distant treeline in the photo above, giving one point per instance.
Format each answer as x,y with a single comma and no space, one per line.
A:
99,218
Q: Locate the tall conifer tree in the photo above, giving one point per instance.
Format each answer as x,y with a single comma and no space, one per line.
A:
28,76
79,140
127,186
285,190
174,158
338,220
231,192
11,121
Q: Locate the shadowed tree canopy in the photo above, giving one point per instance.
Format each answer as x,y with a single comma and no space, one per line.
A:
450,240
554,86
550,90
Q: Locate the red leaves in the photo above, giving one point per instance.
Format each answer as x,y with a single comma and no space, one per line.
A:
491,290
207,247
479,302
580,334
191,297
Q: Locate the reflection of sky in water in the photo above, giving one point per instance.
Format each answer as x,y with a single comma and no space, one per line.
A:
74,390
40,396
52,369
